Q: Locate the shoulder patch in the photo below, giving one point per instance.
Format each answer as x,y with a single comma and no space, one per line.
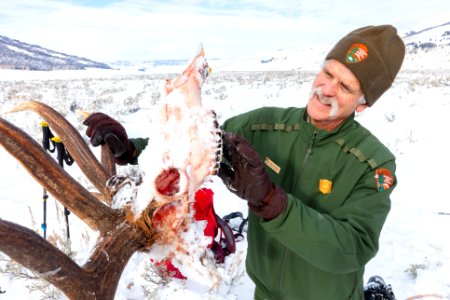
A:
383,179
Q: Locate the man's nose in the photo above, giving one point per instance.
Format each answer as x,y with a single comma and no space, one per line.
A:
329,87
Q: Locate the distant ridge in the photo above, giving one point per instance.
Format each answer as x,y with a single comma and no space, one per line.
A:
17,55
411,33
427,48
434,37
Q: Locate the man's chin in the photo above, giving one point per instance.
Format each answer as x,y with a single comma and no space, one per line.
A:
318,113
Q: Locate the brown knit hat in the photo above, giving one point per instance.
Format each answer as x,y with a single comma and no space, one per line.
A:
374,54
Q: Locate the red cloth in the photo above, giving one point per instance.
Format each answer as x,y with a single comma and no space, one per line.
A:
204,211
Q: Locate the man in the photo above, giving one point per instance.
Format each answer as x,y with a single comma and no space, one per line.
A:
317,183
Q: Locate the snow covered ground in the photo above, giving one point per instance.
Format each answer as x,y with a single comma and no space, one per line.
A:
411,119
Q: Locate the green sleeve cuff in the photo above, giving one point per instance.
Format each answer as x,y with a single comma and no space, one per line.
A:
140,144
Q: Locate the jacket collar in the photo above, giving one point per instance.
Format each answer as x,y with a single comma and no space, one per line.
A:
323,135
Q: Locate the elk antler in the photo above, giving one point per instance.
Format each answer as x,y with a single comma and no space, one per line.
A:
55,179
97,279
34,254
74,143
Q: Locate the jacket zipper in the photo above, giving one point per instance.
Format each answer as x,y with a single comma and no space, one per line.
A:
305,159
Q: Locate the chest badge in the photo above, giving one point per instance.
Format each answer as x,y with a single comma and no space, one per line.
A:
325,186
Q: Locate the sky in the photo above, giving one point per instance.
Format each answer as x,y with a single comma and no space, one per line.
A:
111,30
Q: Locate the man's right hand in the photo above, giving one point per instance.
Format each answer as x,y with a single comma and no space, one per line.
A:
246,177
102,129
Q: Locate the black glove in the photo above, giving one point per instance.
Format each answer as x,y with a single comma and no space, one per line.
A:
246,177
104,129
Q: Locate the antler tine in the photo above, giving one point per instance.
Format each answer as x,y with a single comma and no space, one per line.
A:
74,143
55,179
107,159
32,251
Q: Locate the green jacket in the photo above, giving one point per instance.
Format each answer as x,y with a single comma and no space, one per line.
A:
318,247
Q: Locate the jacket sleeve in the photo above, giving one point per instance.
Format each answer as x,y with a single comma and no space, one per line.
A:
342,241
140,144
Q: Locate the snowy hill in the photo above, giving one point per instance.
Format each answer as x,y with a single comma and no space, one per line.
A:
149,65
17,55
428,38
428,48
289,59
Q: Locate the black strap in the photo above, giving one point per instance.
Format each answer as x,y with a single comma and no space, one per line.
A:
240,229
229,238
47,136
63,156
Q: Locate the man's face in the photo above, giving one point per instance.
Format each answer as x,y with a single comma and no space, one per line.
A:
335,95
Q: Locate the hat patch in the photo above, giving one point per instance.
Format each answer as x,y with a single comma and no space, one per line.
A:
357,53
384,179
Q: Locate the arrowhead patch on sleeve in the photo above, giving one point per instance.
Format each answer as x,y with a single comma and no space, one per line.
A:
384,179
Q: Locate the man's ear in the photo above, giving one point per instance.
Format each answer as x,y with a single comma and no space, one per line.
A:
361,107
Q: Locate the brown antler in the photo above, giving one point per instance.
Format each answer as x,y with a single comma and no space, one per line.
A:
97,279
74,143
55,179
33,252
107,159
119,240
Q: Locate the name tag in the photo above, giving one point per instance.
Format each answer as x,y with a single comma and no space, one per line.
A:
272,165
